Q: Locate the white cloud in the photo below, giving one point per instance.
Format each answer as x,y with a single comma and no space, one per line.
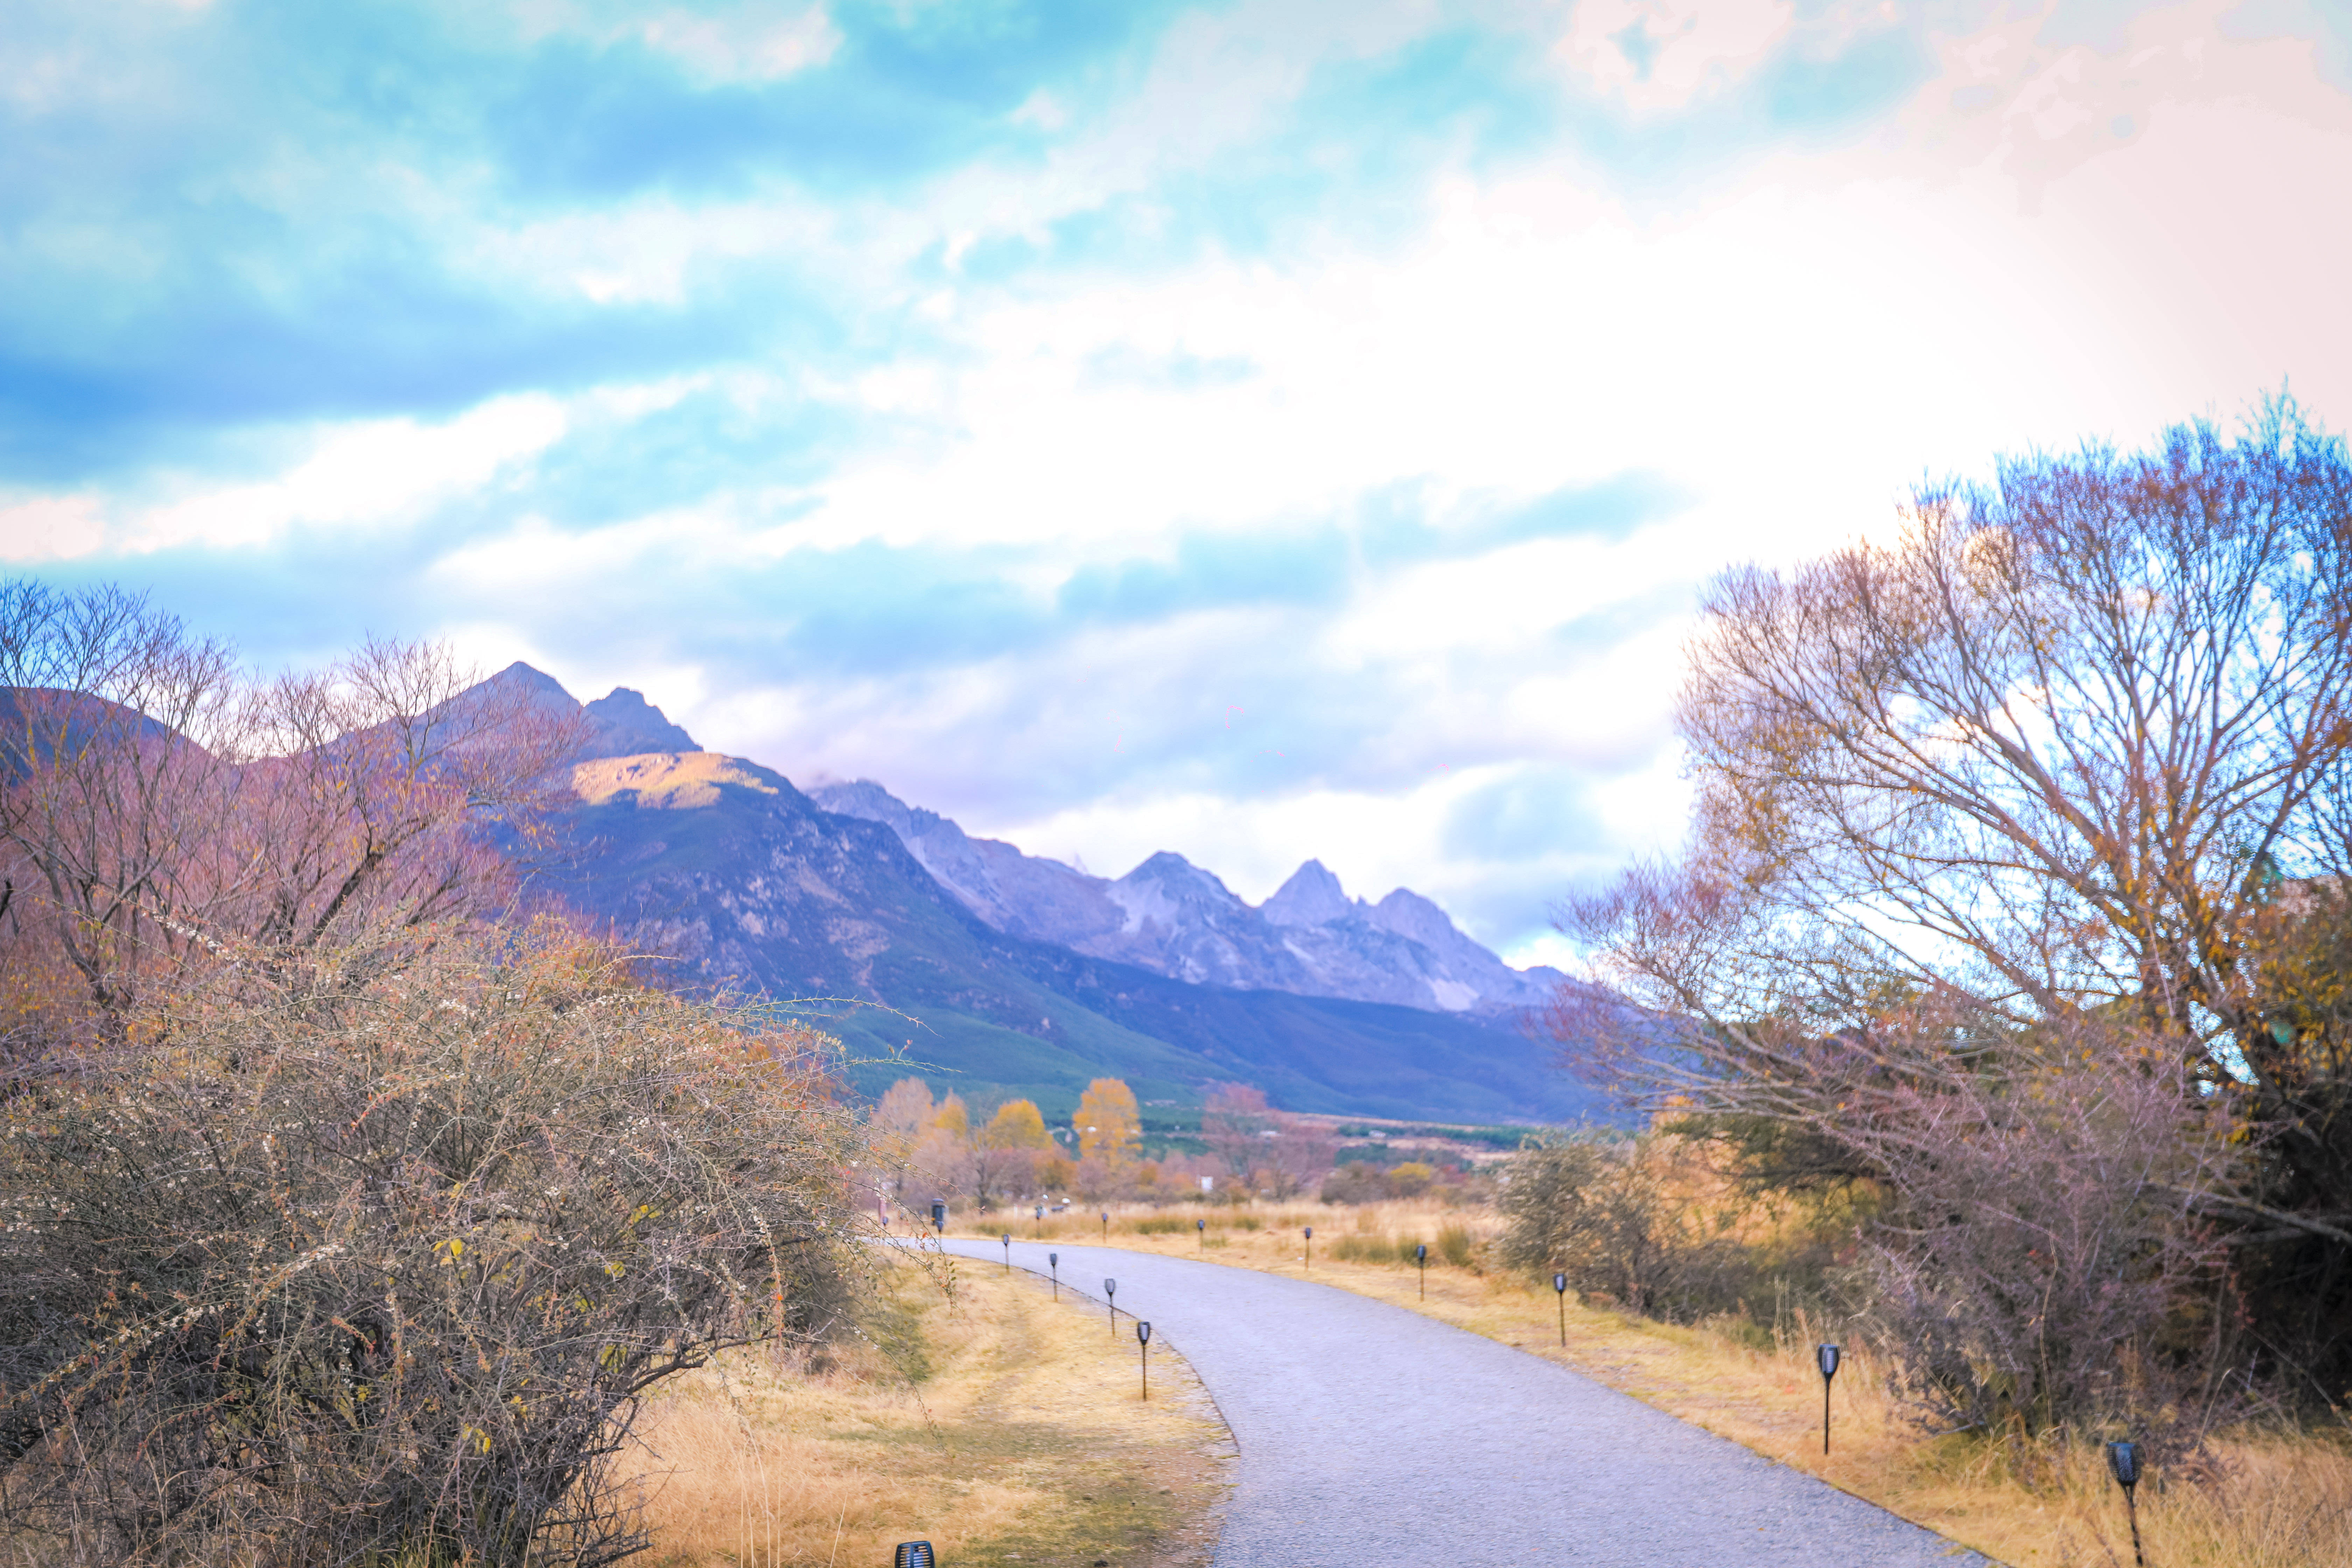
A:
2047,242
1661,54
362,474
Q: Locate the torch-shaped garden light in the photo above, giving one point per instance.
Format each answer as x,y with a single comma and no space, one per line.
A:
1053,1262
2123,1459
1311,1249
1106,1225
1559,1288
1421,1257
1202,1226
1143,1338
1041,1222
938,1217
1110,1296
1008,1252
913,1554
1828,1357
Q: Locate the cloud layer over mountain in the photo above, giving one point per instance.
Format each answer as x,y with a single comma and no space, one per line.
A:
1270,429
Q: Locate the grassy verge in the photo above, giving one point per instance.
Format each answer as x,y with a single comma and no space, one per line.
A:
980,1414
2276,1500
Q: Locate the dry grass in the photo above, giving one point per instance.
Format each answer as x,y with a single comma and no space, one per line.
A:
998,1425
2273,1500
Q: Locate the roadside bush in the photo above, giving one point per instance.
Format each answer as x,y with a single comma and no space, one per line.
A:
1354,1181
338,1272
2042,1263
1618,1219
1456,1246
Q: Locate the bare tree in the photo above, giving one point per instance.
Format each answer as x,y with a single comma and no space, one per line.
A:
1236,1123
121,737
2030,777
155,803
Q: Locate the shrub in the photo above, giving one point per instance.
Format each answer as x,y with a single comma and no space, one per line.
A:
1355,1182
1411,1179
2040,1263
337,1272
1617,1219
1456,1246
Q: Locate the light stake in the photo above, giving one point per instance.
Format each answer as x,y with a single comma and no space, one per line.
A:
938,1217
1202,1226
2122,1462
1053,1262
1110,1296
1106,1225
1008,1252
1421,1255
1828,1357
1041,1222
1559,1288
1311,1250
1143,1338
913,1554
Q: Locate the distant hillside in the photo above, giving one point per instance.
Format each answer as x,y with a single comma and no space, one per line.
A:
1171,916
736,876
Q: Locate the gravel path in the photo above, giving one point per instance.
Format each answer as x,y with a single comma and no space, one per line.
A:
1370,1436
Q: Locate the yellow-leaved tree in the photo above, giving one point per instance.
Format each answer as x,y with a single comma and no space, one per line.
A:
1018,1124
1109,1123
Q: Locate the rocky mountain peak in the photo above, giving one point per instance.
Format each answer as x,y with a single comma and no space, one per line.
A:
627,725
1312,897
620,723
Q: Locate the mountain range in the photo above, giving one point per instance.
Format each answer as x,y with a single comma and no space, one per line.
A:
998,973
1174,918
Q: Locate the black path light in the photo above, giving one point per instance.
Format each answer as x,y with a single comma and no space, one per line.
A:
1311,1250
938,1217
1106,1225
1008,1252
1559,1288
2122,1462
1202,1226
1421,1255
1053,1262
1827,1355
1041,1222
913,1554
1143,1338
1110,1296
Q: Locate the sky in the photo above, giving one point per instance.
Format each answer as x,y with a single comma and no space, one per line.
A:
1256,430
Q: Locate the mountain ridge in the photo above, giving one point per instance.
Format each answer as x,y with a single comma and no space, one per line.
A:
1180,920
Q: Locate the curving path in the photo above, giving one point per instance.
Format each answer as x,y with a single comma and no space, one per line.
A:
1373,1436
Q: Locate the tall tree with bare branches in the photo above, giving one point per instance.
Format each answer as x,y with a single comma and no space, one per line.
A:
2058,768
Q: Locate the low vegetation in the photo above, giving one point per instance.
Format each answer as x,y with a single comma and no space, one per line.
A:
972,1410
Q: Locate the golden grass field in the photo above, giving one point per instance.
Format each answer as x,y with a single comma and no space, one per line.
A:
2277,1501
980,1414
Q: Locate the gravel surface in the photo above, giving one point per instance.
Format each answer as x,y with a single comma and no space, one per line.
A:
1370,1436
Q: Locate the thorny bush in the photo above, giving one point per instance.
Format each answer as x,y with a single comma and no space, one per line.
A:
343,1273
1615,1217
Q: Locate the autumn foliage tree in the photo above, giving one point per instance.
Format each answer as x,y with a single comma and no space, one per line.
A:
1108,1123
